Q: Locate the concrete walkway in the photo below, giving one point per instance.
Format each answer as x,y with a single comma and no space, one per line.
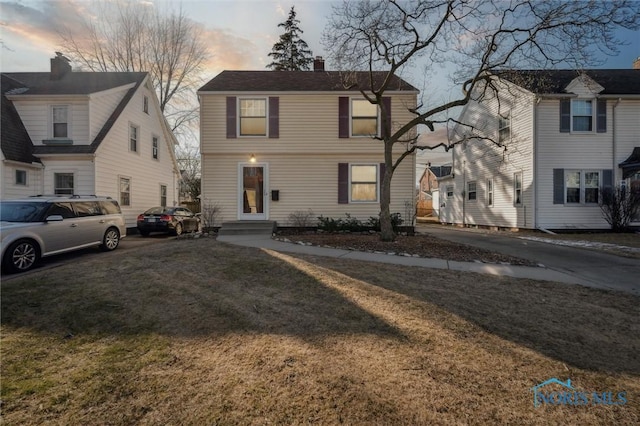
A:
537,273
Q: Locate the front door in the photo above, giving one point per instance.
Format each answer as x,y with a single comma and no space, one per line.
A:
253,191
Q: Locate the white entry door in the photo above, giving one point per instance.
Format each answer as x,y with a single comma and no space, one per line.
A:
253,191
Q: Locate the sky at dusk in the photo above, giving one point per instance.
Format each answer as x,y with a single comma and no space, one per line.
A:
240,33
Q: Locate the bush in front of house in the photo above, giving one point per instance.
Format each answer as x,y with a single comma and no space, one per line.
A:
352,224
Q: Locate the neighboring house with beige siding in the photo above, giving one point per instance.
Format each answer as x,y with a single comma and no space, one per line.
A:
278,142
550,142
85,133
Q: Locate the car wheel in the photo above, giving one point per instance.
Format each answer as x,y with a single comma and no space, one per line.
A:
22,256
178,229
110,240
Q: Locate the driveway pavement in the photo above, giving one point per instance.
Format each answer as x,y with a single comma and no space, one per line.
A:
591,268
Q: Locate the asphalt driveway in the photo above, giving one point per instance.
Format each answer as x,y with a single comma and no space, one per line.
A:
594,269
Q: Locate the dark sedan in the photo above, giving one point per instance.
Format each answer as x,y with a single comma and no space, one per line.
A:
174,220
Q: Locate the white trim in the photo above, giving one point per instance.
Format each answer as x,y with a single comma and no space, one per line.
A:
378,118
50,132
378,178
521,203
594,106
120,193
302,92
137,127
265,192
468,195
266,116
581,188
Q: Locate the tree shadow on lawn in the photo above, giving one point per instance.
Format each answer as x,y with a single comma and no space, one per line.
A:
221,290
583,327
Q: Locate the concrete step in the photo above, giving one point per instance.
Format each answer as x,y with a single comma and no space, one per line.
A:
248,227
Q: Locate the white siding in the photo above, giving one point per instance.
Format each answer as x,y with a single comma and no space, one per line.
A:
113,159
9,189
102,106
36,116
82,169
480,160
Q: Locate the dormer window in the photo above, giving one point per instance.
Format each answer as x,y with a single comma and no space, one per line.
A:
581,115
60,121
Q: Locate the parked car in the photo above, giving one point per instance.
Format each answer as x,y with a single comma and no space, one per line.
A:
173,220
40,226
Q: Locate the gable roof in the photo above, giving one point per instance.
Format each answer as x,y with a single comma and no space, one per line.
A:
297,81
15,141
72,83
614,81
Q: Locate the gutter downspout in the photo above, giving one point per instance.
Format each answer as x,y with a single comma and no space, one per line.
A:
464,193
614,168
534,137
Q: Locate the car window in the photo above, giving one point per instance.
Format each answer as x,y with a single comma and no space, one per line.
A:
21,211
110,207
87,208
63,209
155,210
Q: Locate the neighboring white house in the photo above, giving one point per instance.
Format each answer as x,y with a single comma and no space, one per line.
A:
85,133
277,142
557,138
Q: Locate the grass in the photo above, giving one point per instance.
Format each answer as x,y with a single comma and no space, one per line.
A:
199,332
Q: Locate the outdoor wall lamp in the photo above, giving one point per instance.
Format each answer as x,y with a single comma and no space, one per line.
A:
252,159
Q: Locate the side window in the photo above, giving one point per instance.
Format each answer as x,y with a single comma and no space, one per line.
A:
87,208
63,209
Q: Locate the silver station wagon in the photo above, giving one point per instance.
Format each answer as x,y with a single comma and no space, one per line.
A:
36,227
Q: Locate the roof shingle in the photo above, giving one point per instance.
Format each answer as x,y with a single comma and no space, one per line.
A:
614,81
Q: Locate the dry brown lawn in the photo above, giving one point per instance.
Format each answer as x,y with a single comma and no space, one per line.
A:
196,332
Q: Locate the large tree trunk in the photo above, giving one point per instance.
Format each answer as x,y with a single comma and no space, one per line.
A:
386,227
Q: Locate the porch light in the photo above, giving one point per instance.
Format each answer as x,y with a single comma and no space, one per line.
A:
252,159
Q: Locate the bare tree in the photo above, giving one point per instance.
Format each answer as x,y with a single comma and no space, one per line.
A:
619,205
128,36
480,37
188,158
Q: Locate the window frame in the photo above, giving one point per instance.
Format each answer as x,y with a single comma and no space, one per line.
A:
489,192
121,192
501,126
474,192
133,143
145,104
592,116
517,189
449,190
21,177
376,183
163,187
57,188
53,121
368,117
582,187
239,115
155,147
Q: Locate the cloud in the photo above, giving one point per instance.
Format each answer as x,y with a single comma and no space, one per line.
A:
231,52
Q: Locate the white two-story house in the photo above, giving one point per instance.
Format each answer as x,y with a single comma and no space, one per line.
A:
553,140
278,142
87,133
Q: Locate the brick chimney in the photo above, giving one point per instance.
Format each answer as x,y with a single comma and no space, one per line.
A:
318,64
636,63
59,66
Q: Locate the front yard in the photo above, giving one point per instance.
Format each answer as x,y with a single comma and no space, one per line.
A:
200,332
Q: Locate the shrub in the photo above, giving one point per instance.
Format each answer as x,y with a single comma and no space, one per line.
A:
301,219
211,214
619,205
396,221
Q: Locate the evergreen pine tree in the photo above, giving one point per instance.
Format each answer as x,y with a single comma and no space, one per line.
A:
291,53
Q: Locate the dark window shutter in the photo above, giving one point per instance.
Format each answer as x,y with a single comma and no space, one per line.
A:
558,186
343,117
386,101
274,117
231,117
382,170
607,179
343,183
565,115
601,116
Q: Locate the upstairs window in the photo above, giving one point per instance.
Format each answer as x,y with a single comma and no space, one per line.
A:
364,118
253,117
145,104
581,115
63,183
472,190
133,138
154,148
504,128
60,121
